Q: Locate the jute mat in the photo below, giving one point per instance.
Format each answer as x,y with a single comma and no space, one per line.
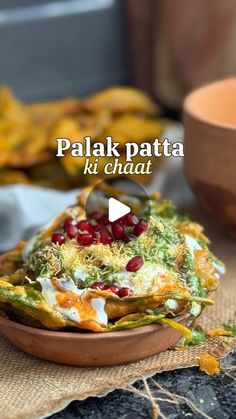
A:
31,388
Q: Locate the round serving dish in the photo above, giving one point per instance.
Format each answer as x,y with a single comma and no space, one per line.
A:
92,349
210,147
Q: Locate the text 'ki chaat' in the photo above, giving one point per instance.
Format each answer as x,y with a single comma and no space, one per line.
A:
88,273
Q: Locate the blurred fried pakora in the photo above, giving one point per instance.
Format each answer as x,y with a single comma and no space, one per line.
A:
8,177
28,133
64,128
49,113
129,127
121,99
22,141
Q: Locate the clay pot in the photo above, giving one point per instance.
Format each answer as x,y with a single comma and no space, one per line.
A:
210,147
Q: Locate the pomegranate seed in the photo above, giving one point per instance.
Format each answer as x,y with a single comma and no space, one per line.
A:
58,238
85,239
95,215
140,227
131,219
104,220
83,225
72,231
124,292
103,236
68,222
134,264
129,238
96,228
98,285
113,288
122,220
117,230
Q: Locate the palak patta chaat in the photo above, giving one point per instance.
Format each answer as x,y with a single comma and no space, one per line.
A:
84,273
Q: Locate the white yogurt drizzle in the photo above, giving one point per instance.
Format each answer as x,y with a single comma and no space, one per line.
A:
67,284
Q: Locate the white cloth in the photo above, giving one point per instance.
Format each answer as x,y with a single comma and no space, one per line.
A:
24,209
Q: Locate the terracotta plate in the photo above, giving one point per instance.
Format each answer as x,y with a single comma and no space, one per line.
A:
90,349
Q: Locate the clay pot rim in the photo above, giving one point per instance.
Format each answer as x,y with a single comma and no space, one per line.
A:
189,106
88,335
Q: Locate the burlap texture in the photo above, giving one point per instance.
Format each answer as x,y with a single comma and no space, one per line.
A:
31,388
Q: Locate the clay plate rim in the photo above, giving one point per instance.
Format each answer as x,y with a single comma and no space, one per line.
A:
5,322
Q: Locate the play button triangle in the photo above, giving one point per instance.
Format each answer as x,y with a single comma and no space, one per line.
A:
116,209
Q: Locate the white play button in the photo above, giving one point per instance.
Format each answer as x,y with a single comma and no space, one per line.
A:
116,209
113,198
